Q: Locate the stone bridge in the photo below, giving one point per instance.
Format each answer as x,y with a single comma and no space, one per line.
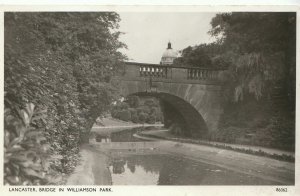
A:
187,94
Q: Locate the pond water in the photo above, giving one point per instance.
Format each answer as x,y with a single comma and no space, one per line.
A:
166,169
173,170
121,136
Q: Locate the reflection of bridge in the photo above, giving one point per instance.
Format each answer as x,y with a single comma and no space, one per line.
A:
188,95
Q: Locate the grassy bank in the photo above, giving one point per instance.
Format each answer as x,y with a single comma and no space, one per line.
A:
246,149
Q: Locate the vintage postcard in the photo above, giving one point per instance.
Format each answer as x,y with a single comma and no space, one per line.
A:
149,100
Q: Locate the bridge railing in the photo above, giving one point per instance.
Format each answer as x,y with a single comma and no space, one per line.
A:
170,72
202,74
154,71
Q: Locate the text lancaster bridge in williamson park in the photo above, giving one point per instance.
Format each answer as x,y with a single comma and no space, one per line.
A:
187,93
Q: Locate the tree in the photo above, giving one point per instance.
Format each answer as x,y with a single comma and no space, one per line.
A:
194,56
262,49
140,109
61,63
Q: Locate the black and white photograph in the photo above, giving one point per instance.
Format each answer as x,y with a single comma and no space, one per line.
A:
201,98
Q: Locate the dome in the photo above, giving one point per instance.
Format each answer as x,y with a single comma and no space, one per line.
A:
168,56
170,53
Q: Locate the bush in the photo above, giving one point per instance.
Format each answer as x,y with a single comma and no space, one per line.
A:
278,134
142,117
151,119
134,116
125,115
140,112
133,101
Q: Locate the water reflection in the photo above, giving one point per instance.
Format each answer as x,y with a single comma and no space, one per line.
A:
121,136
131,173
118,166
125,136
172,170
128,167
103,139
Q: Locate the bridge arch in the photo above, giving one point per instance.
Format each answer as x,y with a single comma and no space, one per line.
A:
193,93
175,109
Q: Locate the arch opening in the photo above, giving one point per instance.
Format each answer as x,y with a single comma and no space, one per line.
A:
178,113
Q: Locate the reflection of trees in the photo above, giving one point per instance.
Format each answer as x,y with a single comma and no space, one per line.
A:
118,166
150,163
172,170
104,137
153,163
124,136
131,165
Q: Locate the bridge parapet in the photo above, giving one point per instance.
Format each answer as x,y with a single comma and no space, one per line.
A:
174,73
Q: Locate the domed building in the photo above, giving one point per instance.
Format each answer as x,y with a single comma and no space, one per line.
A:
168,56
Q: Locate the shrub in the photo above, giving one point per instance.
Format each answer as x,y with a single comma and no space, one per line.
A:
151,119
134,116
125,115
133,101
142,117
140,112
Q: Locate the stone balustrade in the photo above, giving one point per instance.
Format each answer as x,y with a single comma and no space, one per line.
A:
170,72
154,71
201,74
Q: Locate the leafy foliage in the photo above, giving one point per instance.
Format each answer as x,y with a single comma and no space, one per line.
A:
62,63
260,48
196,57
25,149
258,52
138,110
203,55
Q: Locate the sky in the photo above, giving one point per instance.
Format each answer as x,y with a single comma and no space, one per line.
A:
147,34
